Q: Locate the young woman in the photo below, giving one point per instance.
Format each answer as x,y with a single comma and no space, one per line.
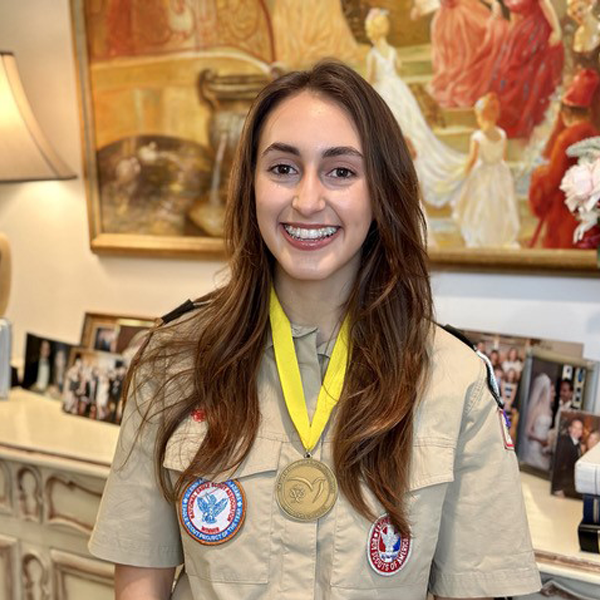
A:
238,460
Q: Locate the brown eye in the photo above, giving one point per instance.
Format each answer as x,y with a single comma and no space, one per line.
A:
342,173
282,170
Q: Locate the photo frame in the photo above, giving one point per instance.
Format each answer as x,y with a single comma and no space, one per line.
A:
46,363
577,433
551,384
507,354
94,385
116,334
161,115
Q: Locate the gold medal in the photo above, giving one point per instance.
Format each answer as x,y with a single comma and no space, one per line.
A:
306,490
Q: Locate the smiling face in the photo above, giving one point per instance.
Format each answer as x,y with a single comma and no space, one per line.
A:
312,200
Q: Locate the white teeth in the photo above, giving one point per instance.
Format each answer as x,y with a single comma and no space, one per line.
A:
310,234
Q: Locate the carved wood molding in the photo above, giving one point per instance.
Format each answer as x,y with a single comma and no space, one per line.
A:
35,577
556,590
65,564
565,561
29,489
56,515
8,549
5,487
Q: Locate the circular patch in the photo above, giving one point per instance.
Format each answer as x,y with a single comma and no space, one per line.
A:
387,550
212,513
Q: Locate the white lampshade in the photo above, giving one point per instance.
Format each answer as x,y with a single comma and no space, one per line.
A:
25,153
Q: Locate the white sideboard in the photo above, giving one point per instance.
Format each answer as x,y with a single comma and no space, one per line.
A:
52,472
567,572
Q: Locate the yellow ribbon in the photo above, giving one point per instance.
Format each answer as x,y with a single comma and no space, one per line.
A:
291,382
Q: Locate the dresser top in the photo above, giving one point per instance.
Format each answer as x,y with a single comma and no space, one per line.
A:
35,426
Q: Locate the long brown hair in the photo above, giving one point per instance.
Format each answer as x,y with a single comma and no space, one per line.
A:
390,312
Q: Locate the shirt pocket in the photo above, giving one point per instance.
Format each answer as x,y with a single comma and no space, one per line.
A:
431,471
244,558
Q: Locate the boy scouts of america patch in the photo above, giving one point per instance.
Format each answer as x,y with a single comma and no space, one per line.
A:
505,428
212,513
387,550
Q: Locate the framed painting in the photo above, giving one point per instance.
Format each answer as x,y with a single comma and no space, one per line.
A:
488,115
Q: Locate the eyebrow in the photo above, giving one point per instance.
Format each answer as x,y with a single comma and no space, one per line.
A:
330,152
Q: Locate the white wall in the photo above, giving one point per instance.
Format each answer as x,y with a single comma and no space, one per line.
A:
57,278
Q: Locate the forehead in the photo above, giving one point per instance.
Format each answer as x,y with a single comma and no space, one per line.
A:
308,120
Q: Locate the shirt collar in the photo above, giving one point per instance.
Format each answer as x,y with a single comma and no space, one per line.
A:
302,331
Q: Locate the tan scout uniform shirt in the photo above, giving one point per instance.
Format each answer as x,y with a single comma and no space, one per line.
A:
469,530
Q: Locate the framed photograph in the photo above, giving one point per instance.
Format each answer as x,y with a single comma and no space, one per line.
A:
94,385
577,432
164,90
114,333
550,385
507,353
45,365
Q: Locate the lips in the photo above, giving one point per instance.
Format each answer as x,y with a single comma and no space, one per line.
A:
309,237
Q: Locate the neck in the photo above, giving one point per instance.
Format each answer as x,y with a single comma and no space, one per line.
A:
315,303
576,120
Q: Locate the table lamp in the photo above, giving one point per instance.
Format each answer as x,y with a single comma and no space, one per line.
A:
25,155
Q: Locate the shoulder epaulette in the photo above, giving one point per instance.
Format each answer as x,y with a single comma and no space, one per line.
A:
491,377
186,307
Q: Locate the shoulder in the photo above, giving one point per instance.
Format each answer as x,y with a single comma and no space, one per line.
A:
454,357
182,324
477,136
457,382
166,361
573,134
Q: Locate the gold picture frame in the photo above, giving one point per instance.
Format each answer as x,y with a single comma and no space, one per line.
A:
203,83
111,333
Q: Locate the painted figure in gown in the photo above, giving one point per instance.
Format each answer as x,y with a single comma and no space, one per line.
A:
466,39
529,67
586,44
306,31
546,199
440,168
487,210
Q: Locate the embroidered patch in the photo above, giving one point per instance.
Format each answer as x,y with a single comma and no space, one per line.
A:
198,415
387,550
505,428
212,513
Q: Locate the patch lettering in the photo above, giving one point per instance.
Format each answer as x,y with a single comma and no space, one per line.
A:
387,550
212,513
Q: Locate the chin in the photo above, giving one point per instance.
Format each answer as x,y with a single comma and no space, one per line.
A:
308,274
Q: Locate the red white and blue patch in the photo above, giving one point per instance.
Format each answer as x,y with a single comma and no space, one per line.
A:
387,550
505,428
213,513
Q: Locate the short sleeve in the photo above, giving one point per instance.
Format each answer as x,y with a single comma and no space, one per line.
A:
484,546
478,136
136,525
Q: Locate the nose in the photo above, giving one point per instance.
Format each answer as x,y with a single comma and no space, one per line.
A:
310,195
